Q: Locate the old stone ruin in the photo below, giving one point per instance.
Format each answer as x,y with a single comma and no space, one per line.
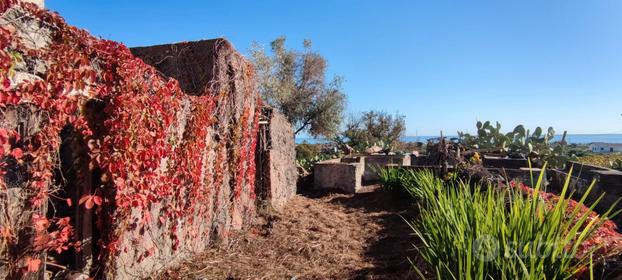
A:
275,157
192,63
118,163
354,173
351,173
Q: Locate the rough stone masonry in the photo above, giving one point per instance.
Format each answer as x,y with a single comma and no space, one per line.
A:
141,219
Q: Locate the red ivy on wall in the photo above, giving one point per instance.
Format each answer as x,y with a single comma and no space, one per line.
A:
135,147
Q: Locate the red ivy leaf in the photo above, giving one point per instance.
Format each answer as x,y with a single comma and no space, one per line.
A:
97,200
90,200
89,203
17,153
120,183
40,222
4,134
33,264
83,199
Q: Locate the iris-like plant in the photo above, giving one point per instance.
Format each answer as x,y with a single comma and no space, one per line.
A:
397,180
497,232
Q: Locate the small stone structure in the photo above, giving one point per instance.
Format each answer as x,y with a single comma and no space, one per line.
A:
276,159
349,174
345,174
373,164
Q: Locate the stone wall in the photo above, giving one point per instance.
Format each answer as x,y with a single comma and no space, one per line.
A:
344,175
423,160
144,170
373,163
276,159
607,182
499,162
213,69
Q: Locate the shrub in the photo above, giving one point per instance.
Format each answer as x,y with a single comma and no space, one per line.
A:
375,128
408,147
307,151
605,160
307,163
501,233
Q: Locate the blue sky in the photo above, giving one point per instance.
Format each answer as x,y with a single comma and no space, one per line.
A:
443,64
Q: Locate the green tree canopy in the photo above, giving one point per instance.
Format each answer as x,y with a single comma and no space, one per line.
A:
294,82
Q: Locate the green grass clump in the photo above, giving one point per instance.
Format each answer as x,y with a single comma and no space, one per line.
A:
398,180
498,233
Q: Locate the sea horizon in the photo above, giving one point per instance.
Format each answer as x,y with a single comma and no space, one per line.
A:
570,138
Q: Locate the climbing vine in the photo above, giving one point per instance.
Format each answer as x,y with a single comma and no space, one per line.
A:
152,167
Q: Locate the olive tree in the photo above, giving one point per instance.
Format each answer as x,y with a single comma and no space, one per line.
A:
295,83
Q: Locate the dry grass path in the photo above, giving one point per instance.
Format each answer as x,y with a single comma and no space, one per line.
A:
316,236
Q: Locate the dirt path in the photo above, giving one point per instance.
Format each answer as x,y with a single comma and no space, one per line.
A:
317,236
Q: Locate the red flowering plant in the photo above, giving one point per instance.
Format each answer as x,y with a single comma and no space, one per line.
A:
601,241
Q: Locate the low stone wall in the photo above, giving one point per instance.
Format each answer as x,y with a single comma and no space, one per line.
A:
422,160
344,175
373,164
608,183
509,163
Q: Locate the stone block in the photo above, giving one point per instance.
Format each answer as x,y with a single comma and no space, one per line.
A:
374,163
334,174
509,163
